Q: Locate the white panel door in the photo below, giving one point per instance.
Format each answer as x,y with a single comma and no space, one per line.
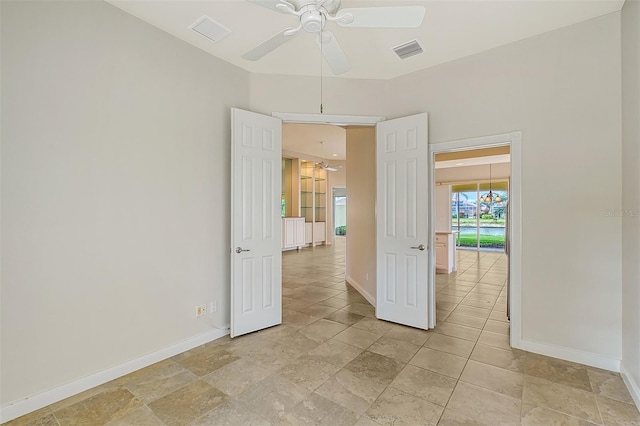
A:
256,223
402,221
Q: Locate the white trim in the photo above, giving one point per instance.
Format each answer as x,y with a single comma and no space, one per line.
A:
586,358
632,385
514,140
370,298
43,399
337,120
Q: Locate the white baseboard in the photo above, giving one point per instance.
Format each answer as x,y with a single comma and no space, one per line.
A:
35,402
573,355
632,385
370,298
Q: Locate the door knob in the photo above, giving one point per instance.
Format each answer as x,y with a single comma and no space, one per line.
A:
240,250
421,247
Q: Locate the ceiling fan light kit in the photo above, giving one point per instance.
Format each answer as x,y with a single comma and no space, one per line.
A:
313,16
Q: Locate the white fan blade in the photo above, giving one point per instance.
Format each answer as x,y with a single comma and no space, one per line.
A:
274,42
331,169
381,17
272,4
333,53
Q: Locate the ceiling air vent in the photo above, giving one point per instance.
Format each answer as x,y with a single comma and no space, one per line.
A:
408,49
211,29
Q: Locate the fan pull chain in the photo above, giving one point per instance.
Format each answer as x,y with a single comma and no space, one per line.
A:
321,52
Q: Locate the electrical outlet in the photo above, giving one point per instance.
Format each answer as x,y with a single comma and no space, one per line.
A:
213,306
201,310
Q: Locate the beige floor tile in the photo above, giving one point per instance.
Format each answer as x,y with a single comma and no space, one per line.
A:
308,372
111,386
532,415
425,384
494,339
364,309
274,356
101,408
354,392
616,413
609,384
498,316
158,380
317,410
399,408
478,303
442,315
335,352
296,340
366,421
357,337
451,345
457,330
408,334
273,397
319,311
343,317
393,348
335,302
231,413
142,416
447,306
512,359
205,362
374,325
376,367
188,403
499,327
471,404
322,330
466,320
297,305
567,400
471,311
296,318
237,377
558,371
493,378
439,362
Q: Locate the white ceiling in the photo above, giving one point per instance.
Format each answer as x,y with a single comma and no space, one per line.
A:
451,29
305,140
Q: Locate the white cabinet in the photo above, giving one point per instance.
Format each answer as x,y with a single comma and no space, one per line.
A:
319,232
445,252
292,232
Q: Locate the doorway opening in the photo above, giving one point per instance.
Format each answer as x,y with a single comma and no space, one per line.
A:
340,211
493,165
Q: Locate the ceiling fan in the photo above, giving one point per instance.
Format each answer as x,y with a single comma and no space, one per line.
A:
314,14
323,164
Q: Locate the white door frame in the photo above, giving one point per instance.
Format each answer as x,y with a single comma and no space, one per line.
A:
514,140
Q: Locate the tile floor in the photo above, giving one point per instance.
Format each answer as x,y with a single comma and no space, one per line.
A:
332,362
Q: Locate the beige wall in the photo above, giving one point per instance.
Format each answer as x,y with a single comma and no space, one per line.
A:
562,90
115,190
361,220
631,194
